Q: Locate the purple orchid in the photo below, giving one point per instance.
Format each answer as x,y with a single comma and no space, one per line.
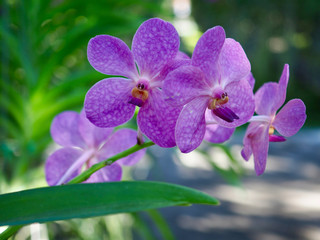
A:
84,145
216,80
112,101
288,121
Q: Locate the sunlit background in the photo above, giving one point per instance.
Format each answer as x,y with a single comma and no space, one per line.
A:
44,71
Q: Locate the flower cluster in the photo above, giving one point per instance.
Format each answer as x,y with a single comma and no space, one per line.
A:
182,101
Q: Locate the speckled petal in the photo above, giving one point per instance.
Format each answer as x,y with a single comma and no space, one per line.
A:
214,132
119,141
191,125
241,102
290,118
265,98
157,119
172,65
250,79
107,174
111,56
64,130
206,53
280,97
59,162
182,55
155,43
217,134
92,135
233,61
184,84
106,103
256,141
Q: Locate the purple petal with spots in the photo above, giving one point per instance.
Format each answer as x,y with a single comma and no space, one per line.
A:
92,135
121,140
217,134
59,162
280,96
182,55
206,53
106,103
191,125
157,119
241,102
184,84
250,79
64,130
290,118
256,141
111,56
234,64
155,43
172,65
265,98
107,174
214,132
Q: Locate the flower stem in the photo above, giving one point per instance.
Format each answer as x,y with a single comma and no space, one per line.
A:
86,174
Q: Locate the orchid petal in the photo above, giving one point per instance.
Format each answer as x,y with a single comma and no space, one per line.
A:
265,98
184,84
92,135
214,132
191,125
111,56
155,43
217,134
182,55
256,141
206,53
172,65
241,103
233,61
64,130
106,103
280,97
250,79
290,118
58,164
119,141
157,119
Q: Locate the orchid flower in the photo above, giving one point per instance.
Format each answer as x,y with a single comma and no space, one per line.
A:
288,121
84,144
112,101
215,81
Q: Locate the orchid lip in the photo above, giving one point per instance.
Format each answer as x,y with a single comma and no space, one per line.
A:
136,101
225,113
276,138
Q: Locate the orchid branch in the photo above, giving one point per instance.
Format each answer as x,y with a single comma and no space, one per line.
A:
86,174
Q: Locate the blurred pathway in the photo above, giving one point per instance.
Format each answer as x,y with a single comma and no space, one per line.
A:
282,204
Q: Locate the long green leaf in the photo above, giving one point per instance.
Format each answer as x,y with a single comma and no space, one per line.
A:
89,200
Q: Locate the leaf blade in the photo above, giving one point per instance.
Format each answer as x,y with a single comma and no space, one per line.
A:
89,200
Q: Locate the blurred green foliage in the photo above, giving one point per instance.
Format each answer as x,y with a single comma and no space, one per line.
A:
44,69
273,33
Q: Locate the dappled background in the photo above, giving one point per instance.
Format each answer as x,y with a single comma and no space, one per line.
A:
44,71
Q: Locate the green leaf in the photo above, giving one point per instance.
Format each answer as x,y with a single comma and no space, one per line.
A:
89,200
